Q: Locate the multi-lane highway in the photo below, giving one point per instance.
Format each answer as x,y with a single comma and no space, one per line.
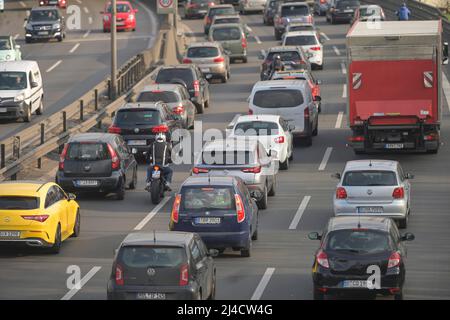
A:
280,266
73,67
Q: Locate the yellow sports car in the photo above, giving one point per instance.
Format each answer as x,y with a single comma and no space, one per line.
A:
37,214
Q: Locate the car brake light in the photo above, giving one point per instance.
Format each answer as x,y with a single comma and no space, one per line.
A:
322,259
196,88
323,1
62,157
184,275
394,260
279,139
318,48
114,129
160,129
119,275
39,218
306,113
252,170
115,162
341,193
178,110
176,208
186,60
357,139
398,193
240,211
250,111
220,59
244,42
196,170
211,4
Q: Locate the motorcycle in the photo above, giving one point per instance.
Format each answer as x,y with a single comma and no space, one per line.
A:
157,183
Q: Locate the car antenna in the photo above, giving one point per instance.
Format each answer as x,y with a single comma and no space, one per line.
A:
359,222
370,163
154,236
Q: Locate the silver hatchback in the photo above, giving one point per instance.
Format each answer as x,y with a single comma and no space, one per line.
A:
373,188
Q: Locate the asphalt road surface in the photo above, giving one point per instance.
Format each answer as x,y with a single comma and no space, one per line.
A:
280,266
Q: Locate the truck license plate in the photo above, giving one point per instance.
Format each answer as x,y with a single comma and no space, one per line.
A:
393,146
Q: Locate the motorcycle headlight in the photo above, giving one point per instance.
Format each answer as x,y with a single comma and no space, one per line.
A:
56,26
19,98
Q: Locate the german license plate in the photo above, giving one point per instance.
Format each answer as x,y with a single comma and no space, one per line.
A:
10,234
43,33
354,284
3,110
137,142
87,183
207,220
120,23
370,209
156,174
205,70
151,296
393,146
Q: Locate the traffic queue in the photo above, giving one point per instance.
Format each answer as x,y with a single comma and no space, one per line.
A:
232,179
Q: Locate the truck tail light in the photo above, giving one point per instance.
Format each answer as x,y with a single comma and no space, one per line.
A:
252,170
184,275
62,157
279,139
39,218
114,129
240,211
119,275
176,209
398,193
196,88
196,170
115,161
186,60
341,193
394,260
322,259
220,59
160,129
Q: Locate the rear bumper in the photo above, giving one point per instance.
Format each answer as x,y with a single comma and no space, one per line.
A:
222,240
395,210
13,110
342,17
52,34
105,184
28,242
115,292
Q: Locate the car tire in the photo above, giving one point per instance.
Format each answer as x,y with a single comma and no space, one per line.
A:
291,157
57,245
133,182
77,226
200,108
60,38
244,60
316,130
155,192
225,78
255,234
262,203
40,110
247,252
27,116
206,104
27,40
320,66
120,194
285,165
317,295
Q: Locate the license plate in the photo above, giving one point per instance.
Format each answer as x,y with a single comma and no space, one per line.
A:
120,23
207,220
151,296
43,33
156,174
3,110
10,234
137,142
348,11
87,183
370,209
205,70
354,284
393,146
202,11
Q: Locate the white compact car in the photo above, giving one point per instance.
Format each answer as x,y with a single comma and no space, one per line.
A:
9,50
309,42
272,131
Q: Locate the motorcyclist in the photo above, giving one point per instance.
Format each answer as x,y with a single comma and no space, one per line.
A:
403,13
160,154
276,65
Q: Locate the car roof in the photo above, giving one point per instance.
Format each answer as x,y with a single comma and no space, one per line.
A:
284,48
163,238
92,137
220,6
304,4
371,165
226,25
209,181
44,8
146,104
162,86
298,84
258,117
363,222
231,144
365,6
294,73
227,16
306,24
177,66
23,187
204,44
22,65
301,33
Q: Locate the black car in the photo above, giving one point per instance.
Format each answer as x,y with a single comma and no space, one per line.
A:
269,11
163,266
97,162
288,54
352,249
190,76
45,23
341,11
139,123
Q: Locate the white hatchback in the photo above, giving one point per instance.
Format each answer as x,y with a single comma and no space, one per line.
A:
309,42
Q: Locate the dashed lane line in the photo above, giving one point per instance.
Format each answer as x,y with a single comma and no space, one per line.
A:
325,159
298,215
263,284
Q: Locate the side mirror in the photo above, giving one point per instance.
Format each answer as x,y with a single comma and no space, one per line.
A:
200,266
71,197
336,176
213,253
34,84
409,176
445,53
317,98
314,236
407,237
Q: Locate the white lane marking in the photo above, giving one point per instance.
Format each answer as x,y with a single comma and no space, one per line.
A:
153,23
344,91
325,36
75,47
23,4
90,20
54,66
263,284
87,34
16,36
151,214
82,282
258,40
86,9
343,68
298,215
336,50
325,159
446,87
339,120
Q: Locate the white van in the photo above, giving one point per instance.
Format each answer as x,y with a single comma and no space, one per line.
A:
21,90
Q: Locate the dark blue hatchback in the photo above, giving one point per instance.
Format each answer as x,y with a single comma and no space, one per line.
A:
220,210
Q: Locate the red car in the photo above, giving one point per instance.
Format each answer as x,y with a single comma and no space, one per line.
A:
60,3
126,16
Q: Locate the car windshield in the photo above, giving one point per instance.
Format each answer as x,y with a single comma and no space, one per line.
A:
169,75
13,80
18,203
369,178
134,117
256,128
121,8
154,96
151,256
300,41
220,11
225,34
287,11
44,15
207,198
359,241
87,151
227,20
219,157
5,44
370,11
202,52
347,4
285,56
278,98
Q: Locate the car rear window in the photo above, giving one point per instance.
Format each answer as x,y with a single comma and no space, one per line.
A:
256,128
278,98
359,241
369,178
225,34
151,256
207,198
220,11
87,151
167,75
287,11
347,3
372,10
137,117
285,56
219,157
301,28
202,52
153,96
226,20
300,41
18,203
